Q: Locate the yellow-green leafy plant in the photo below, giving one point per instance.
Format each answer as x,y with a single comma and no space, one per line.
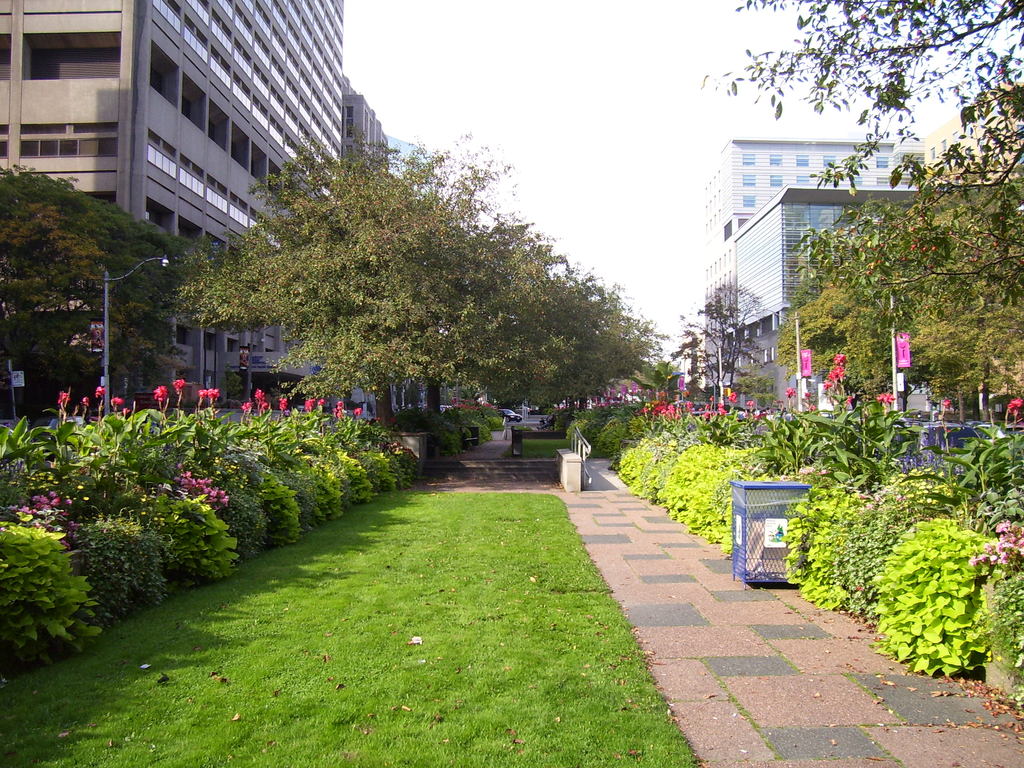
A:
199,548
282,513
930,600
43,606
690,492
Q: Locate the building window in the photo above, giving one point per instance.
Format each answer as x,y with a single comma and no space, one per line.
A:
749,180
775,180
749,201
181,334
803,180
803,161
827,160
749,159
775,160
881,161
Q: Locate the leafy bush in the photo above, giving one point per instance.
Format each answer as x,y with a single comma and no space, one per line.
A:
42,605
304,487
199,548
870,538
1007,627
817,535
328,490
246,520
645,467
282,513
984,466
689,493
123,562
930,602
863,448
403,462
360,489
378,470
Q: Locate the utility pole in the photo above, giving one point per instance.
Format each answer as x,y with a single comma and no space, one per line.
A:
799,367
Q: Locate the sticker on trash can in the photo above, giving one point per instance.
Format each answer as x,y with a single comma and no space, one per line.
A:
775,532
737,529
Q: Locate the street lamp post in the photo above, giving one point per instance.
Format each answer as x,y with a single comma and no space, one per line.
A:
107,280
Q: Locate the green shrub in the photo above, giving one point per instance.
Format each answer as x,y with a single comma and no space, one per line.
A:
360,489
304,486
328,490
1007,630
930,603
246,520
870,538
282,513
816,536
378,471
690,492
42,605
645,467
123,562
199,548
609,440
404,463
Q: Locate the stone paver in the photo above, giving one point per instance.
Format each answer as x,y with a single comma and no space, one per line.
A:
822,743
761,678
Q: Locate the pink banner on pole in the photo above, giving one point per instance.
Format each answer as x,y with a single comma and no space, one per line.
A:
806,369
902,350
682,382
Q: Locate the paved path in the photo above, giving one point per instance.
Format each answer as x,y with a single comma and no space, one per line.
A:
760,678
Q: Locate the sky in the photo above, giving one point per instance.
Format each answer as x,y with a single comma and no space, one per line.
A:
612,115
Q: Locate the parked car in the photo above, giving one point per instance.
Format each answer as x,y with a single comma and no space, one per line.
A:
509,414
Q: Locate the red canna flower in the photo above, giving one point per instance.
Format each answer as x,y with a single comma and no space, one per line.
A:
64,398
160,394
790,392
85,401
117,402
259,396
100,391
751,403
888,398
247,406
282,403
213,394
947,404
357,412
733,397
178,384
309,405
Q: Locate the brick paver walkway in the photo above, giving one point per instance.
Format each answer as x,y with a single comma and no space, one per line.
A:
760,678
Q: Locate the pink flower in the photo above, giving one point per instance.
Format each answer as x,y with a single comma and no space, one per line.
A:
839,360
339,410
100,391
309,405
751,404
213,394
733,397
321,403
259,395
1015,405
282,403
247,406
357,412
117,402
64,398
85,401
790,392
886,397
721,409
178,384
264,406
947,404
160,394
689,406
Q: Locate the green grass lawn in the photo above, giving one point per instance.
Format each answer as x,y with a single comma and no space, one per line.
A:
542,449
304,657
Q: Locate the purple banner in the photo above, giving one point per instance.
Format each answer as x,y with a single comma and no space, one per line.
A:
902,350
682,382
806,368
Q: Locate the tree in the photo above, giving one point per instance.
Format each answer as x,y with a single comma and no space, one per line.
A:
884,59
55,243
384,267
718,339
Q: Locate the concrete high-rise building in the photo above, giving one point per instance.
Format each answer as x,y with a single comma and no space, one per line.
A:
174,111
761,202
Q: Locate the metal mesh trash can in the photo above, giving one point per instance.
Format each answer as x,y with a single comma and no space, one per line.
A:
760,517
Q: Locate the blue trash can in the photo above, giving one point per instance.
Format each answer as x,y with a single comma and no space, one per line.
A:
760,518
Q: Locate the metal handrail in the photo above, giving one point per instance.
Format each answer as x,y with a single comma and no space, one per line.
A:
581,447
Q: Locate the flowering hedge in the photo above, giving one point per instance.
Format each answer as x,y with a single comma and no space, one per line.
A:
146,502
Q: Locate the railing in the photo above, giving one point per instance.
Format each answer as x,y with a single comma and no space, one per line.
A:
581,447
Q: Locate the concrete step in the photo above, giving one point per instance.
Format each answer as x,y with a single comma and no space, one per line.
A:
498,470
